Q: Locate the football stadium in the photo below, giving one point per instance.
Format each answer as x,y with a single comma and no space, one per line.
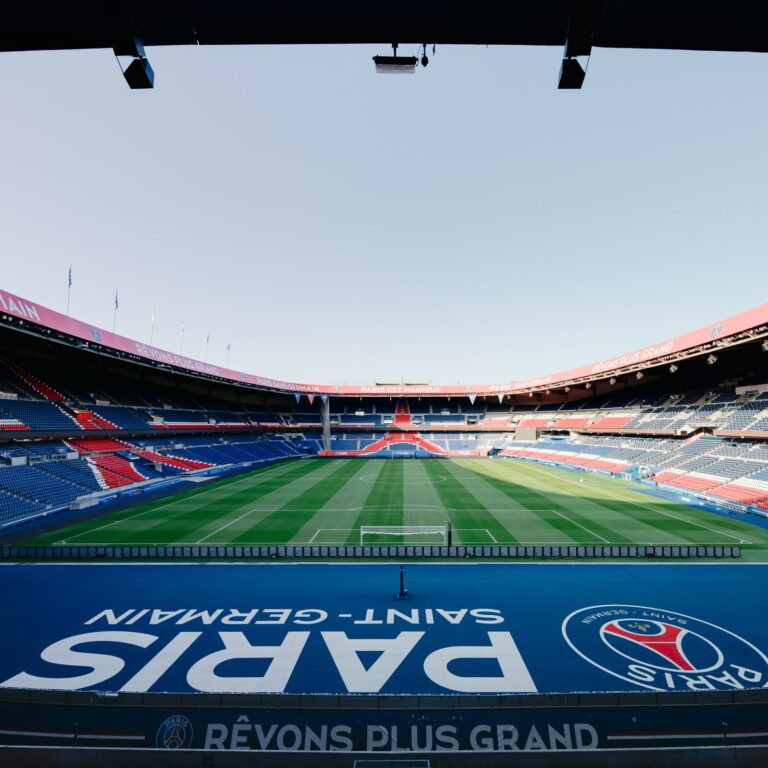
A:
261,563
568,565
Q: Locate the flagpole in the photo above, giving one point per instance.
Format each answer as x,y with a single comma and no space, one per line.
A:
114,314
207,339
69,287
152,327
181,343
228,346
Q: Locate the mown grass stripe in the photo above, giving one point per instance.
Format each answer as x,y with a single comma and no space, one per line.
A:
570,521
384,503
466,510
161,507
283,524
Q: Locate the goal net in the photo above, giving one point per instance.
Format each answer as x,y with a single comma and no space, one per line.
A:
402,534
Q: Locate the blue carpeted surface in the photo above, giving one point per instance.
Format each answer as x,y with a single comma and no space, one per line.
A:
710,631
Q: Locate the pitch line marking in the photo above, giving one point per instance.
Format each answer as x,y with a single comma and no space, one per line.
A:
674,517
115,522
583,527
561,543
231,522
161,506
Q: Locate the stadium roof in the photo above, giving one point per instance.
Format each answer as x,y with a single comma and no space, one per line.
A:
684,24
745,327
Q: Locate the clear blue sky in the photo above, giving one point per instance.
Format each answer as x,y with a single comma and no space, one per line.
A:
469,223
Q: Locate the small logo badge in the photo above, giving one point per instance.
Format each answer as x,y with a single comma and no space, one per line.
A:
95,335
174,733
664,650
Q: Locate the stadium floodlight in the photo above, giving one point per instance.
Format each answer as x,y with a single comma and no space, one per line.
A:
764,346
530,394
639,375
672,368
612,380
567,389
712,359
588,385
397,65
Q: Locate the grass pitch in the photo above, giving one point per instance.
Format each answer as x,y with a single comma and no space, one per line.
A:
326,501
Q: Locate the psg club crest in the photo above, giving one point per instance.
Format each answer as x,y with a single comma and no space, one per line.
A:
174,733
664,650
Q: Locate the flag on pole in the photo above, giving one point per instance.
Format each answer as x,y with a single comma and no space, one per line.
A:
69,287
229,346
114,314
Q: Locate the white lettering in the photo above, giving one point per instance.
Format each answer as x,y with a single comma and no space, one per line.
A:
102,666
356,677
514,673
215,736
202,675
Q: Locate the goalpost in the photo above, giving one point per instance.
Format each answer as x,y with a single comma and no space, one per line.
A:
420,534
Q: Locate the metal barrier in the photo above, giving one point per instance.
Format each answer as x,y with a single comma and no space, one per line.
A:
372,552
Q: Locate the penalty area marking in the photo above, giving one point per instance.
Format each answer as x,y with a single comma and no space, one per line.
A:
348,531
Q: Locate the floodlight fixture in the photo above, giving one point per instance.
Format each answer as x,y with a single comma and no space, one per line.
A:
712,359
612,380
639,375
673,368
764,346
395,65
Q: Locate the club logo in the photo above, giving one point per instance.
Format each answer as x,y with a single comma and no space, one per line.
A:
174,733
664,650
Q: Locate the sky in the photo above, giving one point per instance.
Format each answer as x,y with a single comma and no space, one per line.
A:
470,223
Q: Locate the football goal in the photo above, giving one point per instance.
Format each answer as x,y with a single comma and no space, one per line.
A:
405,534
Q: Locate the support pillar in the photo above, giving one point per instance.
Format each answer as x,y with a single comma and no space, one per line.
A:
325,417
